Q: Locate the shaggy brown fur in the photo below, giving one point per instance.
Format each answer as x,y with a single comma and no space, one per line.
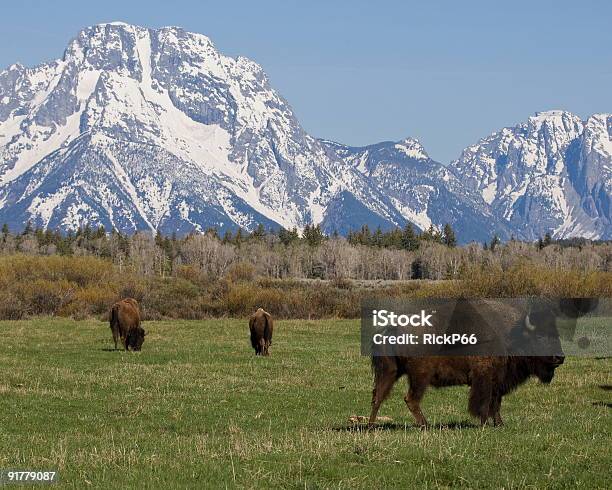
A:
489,377
125,324
261,327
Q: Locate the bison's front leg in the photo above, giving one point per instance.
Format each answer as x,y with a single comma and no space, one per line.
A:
481,394
494,410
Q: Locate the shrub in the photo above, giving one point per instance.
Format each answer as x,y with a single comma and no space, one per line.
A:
11,307
241,271
91,301
86,286
45,297
172,298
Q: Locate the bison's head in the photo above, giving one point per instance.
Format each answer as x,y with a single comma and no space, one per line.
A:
543,367
135,338
542,327
536,334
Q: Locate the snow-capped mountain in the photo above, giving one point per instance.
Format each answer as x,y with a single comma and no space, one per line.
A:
424,191
136,128
144,129
552,173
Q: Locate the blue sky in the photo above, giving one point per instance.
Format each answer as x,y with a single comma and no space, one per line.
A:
446,72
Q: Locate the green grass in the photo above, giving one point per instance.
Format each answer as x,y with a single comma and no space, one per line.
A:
197,409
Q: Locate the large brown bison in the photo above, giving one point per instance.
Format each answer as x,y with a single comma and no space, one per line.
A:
489,377
261,327
125,324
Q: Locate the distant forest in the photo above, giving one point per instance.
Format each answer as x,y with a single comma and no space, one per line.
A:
291,274
399,254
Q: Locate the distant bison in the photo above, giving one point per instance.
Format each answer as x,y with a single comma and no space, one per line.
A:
125,324
489,377
261,327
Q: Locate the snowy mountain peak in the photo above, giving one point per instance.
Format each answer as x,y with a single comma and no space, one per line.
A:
141,128
550,174
557,121
550,114
138,128
412,148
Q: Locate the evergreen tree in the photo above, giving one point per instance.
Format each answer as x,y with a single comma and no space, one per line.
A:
313,235
259,233
364,236
351,237
100,232
417,269
448,236
28,228
288,237
431,235
393,238
159,239
494,243
410,240
227,236
377,238
238,237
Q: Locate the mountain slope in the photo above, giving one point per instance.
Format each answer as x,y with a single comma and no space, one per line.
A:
423,191
159,124
552,173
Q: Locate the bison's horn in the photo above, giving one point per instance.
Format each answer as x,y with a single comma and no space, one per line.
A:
528,324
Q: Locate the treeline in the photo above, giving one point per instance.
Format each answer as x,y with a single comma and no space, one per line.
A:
288,254
83,287
291,274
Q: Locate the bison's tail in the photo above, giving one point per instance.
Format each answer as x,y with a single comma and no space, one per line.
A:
253,334
377,366
114,316
268,328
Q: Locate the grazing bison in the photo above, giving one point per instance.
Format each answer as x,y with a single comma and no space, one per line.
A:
125,324
489,377
261,327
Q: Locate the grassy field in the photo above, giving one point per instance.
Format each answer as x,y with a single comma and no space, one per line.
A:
197,409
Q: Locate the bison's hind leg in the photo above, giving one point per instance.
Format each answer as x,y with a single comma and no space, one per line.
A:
115,336
481,393
267,348
384,379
